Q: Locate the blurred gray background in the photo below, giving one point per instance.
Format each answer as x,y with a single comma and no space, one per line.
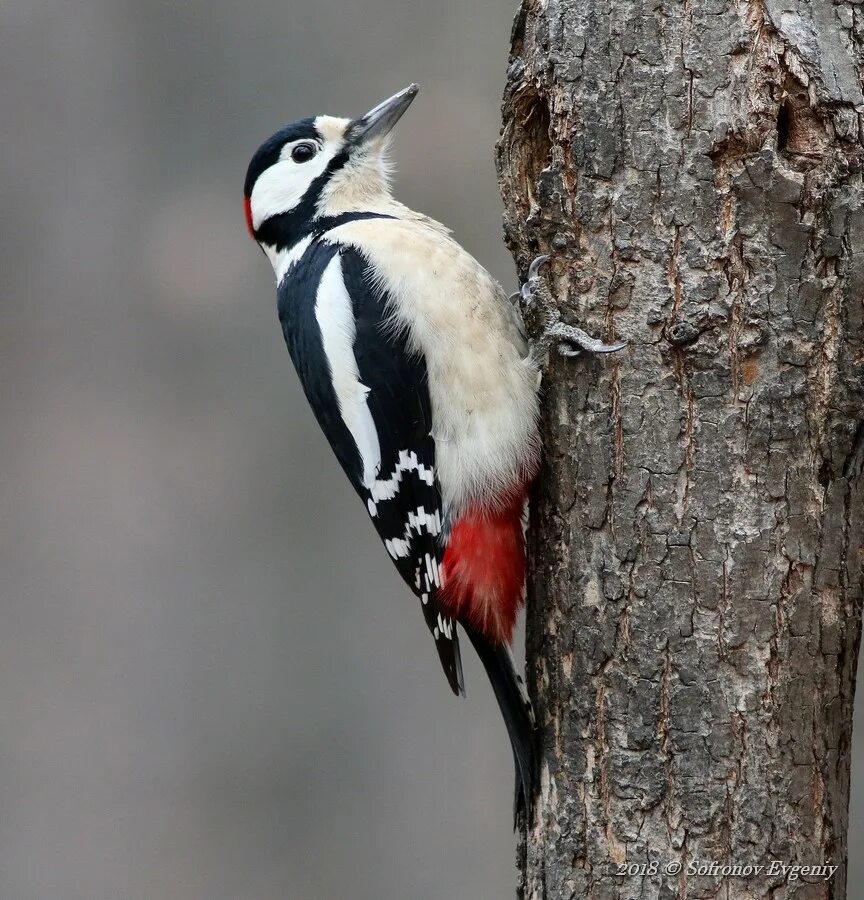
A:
212,683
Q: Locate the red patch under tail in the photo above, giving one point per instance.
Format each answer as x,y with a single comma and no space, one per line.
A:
484,568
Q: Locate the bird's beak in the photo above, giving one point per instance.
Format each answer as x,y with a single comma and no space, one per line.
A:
379,121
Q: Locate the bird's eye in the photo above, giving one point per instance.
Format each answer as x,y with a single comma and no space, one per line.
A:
303,152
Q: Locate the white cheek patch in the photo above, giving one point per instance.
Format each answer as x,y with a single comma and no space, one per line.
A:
281,187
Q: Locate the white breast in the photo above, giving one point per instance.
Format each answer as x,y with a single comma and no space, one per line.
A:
482,383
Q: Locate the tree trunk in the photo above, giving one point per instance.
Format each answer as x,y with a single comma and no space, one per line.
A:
694,168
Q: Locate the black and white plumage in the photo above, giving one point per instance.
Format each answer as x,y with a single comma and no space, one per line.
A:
371,399
417,369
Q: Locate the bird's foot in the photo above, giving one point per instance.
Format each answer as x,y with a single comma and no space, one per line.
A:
574,340
537,303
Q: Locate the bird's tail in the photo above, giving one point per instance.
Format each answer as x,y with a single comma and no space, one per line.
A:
518,714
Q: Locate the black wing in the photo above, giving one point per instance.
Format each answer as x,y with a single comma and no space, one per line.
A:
403,499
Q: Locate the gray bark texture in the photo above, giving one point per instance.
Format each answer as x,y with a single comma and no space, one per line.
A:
695,169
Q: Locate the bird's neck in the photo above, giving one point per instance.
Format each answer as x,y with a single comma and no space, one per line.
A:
290,240
316,215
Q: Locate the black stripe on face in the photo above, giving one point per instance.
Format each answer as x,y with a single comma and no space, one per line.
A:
285,229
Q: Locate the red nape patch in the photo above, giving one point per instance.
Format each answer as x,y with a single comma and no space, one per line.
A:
484,568
247,208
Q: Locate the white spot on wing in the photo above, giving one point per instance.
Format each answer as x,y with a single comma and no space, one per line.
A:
397,548
436,574
445,626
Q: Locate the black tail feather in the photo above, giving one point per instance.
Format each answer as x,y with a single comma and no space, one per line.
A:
516,710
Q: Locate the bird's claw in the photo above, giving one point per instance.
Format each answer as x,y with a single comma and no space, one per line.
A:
573,340
538,261
529,289
571,334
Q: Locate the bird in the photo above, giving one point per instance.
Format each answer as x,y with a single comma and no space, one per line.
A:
418,370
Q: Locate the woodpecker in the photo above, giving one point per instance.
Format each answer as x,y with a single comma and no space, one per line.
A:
418,370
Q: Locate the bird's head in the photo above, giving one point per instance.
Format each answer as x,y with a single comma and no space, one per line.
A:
319,167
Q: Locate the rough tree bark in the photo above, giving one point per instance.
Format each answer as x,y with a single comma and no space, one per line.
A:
694,167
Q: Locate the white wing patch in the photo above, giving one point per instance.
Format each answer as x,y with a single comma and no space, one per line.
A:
335,316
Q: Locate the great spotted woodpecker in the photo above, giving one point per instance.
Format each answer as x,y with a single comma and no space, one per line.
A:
418,370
